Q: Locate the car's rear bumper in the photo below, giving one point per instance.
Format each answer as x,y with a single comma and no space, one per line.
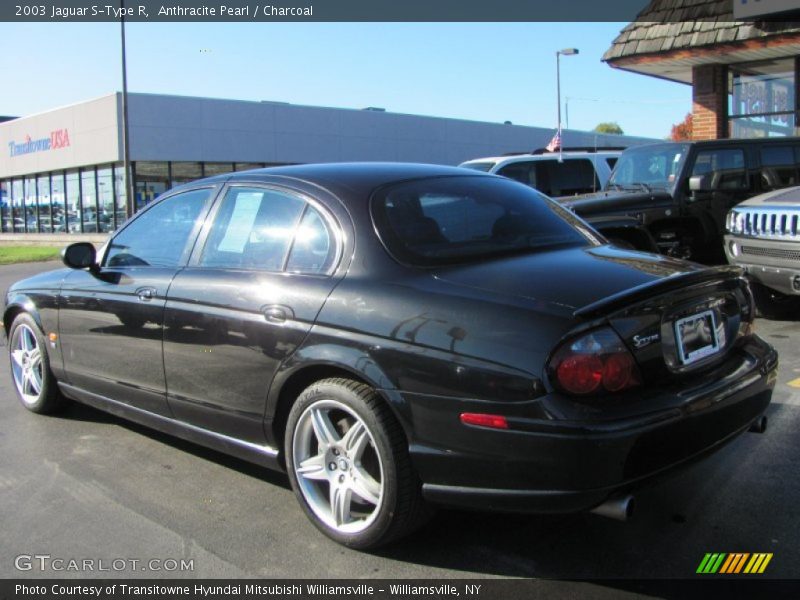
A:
570,466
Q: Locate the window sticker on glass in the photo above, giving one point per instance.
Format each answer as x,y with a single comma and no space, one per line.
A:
240,225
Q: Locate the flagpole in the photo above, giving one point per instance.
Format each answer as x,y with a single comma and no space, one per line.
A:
558,100
565,52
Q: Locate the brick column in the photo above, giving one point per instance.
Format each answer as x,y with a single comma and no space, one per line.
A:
709,102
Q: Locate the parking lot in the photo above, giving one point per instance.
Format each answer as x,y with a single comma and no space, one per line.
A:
86,485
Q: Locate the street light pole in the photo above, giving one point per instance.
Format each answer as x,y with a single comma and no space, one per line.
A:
565,52
126,148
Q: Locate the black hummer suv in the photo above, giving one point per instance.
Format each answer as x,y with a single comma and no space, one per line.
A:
674,196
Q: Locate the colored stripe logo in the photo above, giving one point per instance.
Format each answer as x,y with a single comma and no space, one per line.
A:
734,563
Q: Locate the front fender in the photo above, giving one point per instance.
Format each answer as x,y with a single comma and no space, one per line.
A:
17,302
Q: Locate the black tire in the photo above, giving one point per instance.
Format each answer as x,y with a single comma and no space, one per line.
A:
400,508
47,399
771,304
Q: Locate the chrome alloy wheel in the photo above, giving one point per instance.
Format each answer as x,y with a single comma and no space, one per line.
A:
337,466
26,364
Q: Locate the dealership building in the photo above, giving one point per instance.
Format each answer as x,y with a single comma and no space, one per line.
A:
742,59
63,171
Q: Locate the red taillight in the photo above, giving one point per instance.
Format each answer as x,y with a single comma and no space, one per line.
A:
484,420
580,373
594,363
618,371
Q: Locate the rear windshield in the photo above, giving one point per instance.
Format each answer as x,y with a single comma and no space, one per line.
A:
445,220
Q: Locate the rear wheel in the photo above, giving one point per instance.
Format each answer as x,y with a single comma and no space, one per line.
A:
348,464
30,367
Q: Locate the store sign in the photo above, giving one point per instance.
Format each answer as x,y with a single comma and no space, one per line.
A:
58,139
765,97
747,9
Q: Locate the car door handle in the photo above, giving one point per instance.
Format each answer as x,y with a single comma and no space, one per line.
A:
146,293
275,314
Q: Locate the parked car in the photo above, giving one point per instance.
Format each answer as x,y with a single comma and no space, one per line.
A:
764,238
572,171
398,336
677,194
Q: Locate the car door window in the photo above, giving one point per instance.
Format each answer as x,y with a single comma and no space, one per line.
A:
721,169
253,229
567,178
778,167
159,237
522,172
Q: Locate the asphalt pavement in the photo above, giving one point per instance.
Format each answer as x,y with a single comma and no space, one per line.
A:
88,486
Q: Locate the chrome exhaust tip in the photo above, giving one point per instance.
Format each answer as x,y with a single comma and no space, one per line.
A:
619,508
759,425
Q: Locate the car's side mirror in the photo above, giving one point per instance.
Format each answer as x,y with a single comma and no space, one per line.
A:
698,183
701,187
80,255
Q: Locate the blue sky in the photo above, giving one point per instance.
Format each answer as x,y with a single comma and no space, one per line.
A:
479,71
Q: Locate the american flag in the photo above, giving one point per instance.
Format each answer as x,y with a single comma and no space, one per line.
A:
555,143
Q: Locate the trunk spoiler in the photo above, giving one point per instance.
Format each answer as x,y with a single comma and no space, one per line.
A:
658,286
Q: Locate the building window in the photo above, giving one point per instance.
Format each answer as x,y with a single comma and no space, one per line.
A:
31,209
184,172
89,213
121,194
43,204
763,99
105,199
5,206
151,180
18,206
247,166
72,220
216,168
59,198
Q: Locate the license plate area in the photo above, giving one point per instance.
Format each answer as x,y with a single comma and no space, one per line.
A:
696,337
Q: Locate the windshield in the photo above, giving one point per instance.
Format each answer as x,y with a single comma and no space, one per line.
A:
648,168
445,220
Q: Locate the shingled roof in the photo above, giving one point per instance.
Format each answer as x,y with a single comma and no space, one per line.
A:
667,25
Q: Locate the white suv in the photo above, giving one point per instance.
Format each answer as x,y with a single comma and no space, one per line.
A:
579,170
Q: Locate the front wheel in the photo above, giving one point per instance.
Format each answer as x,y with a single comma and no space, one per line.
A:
348,464
30,367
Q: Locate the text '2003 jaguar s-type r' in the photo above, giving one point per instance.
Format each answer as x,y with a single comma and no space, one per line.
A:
395,337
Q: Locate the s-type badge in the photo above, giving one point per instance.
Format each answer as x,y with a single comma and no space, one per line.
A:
640,341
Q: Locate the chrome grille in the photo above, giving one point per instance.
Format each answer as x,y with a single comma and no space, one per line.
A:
776,223
771,252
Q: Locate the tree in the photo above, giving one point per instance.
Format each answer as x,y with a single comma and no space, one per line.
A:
610,127
683,130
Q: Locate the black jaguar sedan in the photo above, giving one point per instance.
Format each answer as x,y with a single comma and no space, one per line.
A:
398,336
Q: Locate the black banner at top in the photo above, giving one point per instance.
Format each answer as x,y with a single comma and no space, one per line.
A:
321,10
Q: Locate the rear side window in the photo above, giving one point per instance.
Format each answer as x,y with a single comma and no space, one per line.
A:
778,167
568,178
269,230
460,219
